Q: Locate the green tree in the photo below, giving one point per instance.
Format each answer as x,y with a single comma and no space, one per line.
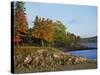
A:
77,38
60,31
72,38
28,37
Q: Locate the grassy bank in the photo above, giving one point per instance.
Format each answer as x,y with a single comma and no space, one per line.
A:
56,68
42,59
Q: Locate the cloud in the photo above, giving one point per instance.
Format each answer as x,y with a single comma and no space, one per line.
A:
73,21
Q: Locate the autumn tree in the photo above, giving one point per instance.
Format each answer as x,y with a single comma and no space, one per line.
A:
43,29
20,22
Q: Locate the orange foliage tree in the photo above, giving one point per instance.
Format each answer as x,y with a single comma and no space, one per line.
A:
43,29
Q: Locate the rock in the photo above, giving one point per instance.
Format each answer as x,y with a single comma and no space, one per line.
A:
35,61
55,56
28,60
18,59
40,51
82,59
45,58
73,60
76,60
45,54
69,61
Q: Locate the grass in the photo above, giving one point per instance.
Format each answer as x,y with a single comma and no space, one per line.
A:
23,69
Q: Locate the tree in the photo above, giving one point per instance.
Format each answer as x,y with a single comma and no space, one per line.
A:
43,29
17,40
29,36
72,38
69,38
20,22
60,31
77,38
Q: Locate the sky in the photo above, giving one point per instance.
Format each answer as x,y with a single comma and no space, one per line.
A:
78,19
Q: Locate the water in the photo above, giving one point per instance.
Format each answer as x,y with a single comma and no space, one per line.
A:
91,45
90,54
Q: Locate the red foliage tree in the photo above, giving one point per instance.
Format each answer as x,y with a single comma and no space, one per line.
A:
20,22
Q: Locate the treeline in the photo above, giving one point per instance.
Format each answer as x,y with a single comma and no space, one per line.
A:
89,40
45,32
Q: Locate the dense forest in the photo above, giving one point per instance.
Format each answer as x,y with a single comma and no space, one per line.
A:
89,40
45,32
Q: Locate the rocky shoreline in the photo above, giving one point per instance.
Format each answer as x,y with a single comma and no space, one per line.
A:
44,59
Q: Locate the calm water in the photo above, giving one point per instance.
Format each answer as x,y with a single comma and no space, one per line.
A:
90,54
92,45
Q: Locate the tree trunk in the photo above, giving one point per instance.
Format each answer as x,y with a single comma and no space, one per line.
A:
42,42
50,44
17,43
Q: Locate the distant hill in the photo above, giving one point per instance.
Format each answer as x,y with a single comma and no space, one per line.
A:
89,40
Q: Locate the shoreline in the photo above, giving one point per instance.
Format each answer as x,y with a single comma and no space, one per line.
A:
77,49
49,59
